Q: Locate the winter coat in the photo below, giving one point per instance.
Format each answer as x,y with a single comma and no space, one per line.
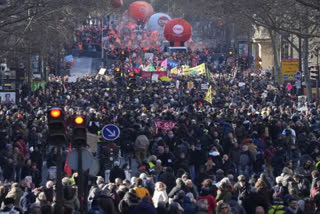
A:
187,206
212,204
159,196
144,208
168,179
16,194
70,198
128,203
142,142
176,189
223,195
117,172
27,200
141,192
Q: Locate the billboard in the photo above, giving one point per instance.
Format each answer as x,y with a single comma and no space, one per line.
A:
7,97
289,68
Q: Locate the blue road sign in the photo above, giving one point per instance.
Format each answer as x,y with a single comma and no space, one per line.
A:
110,132
297,75
285,76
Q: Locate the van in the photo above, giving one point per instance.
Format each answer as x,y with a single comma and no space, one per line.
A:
177,50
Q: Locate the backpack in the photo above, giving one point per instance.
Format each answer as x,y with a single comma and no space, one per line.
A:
276,209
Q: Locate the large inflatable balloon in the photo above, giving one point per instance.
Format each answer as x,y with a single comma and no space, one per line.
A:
177,31
157,21
140,11
116,3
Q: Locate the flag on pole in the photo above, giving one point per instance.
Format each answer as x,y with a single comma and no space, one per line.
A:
67,168
164,63
208,97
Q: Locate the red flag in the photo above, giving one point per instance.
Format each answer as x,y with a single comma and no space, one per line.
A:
67,168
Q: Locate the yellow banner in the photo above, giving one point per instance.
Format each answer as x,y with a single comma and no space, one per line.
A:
194,71
177,71
208,97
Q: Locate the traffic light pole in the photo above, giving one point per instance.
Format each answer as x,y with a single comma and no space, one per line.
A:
318,76
59,188
81,184
317,87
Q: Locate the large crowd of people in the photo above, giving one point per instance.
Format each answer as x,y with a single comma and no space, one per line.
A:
254,149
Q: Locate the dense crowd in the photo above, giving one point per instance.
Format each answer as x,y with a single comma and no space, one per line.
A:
254,150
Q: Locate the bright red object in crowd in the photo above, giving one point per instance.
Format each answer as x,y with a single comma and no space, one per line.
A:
140,11
177,30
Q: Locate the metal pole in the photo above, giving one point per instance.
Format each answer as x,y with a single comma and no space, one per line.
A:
318,79
102,46
59,188
317,86
80,185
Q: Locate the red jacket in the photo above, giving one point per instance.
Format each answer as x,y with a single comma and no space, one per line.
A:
212,204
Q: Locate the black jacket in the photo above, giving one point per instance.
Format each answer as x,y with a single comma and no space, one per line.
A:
117,172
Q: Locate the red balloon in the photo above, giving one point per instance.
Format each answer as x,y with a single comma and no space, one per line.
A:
177,30
140,11
116,3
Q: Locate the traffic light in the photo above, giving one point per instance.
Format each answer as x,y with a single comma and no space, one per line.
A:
314,72
132,81
56,124
117,73
123,55
243,63
79,131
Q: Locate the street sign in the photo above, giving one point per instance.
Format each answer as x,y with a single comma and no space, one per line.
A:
110,132
297,75
87,159
289,68
258,59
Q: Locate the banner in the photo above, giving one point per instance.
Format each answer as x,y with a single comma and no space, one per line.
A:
148,75
176,70
164,125
208,97
194,71
204,86
173,64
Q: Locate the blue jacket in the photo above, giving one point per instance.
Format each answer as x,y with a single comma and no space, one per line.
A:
144,208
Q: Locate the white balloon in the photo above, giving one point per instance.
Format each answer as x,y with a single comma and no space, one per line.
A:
157,22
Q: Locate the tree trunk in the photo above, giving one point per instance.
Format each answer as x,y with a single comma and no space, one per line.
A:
306,68
275,47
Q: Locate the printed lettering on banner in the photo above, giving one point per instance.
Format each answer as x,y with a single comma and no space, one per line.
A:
164,125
